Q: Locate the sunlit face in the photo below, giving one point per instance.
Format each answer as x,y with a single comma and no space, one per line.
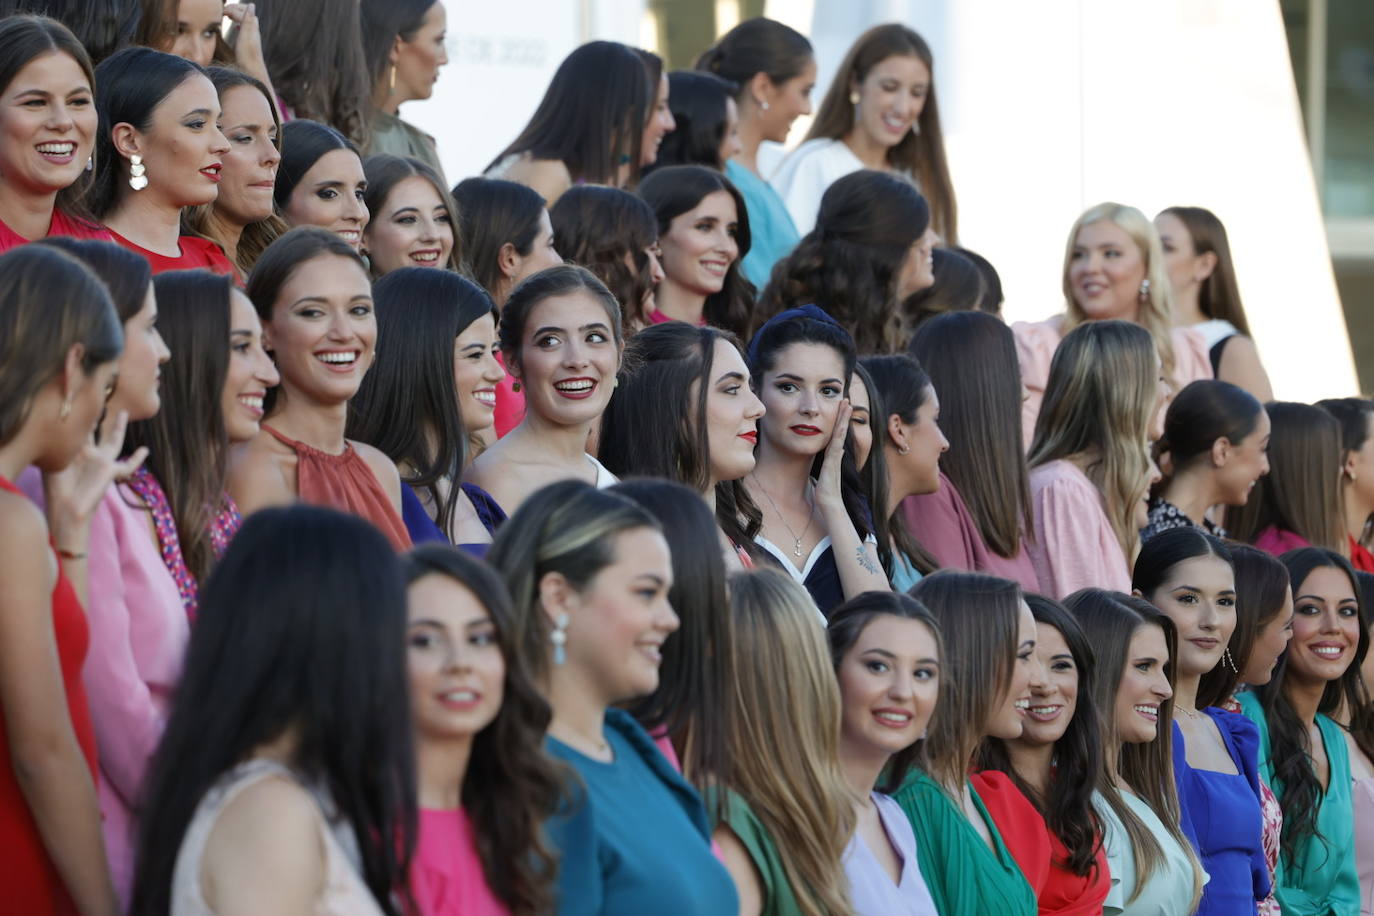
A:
1270,642
330,195
139,366
1326,626
889,682
860,421
918,268
700,245
251,371
250,165
323,330
891,98
411,228
1144,685
1106,269
925,443
183,150
1187,269
787,101
732,415
418,61
1199,596
568,359
730,144
457,672
476,373
198,23
1246,463
1026,676
48,124
660,124
1055,698
801,396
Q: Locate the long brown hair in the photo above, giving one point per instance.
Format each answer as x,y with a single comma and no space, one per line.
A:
1219,296
601,228
384,171
314,54
920,154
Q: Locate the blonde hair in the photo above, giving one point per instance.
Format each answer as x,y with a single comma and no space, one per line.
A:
784,725
1098,404
1156,313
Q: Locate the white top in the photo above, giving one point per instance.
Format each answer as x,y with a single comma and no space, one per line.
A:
1215,330
871,890
804,175
604,478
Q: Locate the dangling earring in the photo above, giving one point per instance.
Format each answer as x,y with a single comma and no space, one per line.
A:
138,173
559,638
515,386
1228,661
854,97
90,163
66,410
1144,289
392,87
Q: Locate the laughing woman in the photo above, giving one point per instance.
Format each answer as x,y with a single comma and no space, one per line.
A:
414,221
321,181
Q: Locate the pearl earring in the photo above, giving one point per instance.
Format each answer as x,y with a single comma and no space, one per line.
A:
854,98
138,177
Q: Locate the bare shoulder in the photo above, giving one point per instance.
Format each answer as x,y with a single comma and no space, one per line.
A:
21,522
550,177
261,474
1240,365
382,467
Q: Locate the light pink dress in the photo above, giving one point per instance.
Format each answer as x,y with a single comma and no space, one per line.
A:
1074,545
1362,795
941,522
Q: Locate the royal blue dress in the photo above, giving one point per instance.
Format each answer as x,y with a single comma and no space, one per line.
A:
422,528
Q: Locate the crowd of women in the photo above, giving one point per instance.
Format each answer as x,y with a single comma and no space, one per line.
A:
656,523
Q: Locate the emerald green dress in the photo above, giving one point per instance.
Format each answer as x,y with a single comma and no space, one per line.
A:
778,899
965,877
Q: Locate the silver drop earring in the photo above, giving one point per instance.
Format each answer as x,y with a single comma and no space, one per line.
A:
1228,660
559,638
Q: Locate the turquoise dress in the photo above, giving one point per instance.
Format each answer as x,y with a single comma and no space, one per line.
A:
772,236
635,838
1321,879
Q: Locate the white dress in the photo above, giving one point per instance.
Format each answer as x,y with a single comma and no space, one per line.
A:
803,177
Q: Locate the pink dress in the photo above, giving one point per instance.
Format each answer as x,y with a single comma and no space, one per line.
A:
1277,541
60,225
943,525
446,876
1074,545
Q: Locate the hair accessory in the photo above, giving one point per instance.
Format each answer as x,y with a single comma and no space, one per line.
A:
559,638
854,97
813,312
1145,288
1228,660
66,410
138,173
622,159
515,386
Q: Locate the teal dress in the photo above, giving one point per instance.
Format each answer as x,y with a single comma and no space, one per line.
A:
1321,880
964,875
772,235
635,837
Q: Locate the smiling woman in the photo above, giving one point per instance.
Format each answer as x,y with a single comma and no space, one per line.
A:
321,181
415,222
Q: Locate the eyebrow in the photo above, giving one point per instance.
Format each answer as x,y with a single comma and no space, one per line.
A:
327,301
653,577
586,327
1068,655
1146,658
197,111
37,90
1027,642
798,378
245,127
731,377
241,332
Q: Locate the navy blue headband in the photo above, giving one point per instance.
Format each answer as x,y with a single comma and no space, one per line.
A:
813,312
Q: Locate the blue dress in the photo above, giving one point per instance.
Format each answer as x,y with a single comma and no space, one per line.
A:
635,838
772,235
422,528
1223,821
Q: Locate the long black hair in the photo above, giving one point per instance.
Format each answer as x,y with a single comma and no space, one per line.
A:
303,142
492,213
302,629
608,231
700,105
1261,592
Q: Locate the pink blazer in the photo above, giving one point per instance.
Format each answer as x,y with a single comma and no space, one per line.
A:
944,526
1074,545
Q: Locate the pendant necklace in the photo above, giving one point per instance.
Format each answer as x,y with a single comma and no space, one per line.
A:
796,541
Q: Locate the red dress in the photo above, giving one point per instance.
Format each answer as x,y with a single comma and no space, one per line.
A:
60,224
195,252
29,879
1360,557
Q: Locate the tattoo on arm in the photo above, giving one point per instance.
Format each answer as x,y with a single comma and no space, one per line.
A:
865,562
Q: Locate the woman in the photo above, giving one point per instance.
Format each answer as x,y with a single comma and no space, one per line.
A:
1202,278
1298,504
159,150
1188,575
814,523
60,341
192,29
659,122
413,219
479,722
684,411
426,397
321,182
1355,416
614,234
323,802
703,231
41,190
561,342
706,121
1055,764
404,48
879,113
869,251
588,128
1356,723
315,57
774,69
885,648
978,517
1113,268
786,812
1090,466
957,285
1303,755
988,649
243,219
1217,438
589,574
313,295
1153,868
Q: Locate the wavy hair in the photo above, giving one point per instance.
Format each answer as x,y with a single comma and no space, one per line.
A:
1219,297
608,231
1261,592
384,172
314,54
700,103
959,287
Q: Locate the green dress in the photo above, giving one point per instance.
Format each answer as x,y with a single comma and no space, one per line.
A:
965,877
778,899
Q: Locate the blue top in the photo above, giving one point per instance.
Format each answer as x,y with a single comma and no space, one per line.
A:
1223,819
772,235
422,528
635,839
1320,879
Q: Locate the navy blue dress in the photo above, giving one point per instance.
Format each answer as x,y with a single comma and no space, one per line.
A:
422,527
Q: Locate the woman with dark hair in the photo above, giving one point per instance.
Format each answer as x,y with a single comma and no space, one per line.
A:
1303,754
1216,436
1056,764
561,341
800,363
193,30
50,138
589,127
1188,575
684,411
485,787
614,234
1356,416
978,517
869,250
426,397
314,52
60,341
413,220
879,113
403,46
1298,503
659,121
286,786
703,231
321,181
957,285
992,281
101,27
314,297
589,575
885,649
706,119
1202,277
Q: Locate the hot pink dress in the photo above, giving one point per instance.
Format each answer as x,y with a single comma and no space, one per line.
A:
446,876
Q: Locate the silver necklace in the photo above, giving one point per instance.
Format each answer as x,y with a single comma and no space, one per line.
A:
796,541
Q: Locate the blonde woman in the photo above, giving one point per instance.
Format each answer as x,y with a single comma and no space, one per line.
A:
787,814
1090,465
1114,267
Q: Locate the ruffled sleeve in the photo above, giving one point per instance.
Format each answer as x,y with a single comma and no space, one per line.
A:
1074,545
